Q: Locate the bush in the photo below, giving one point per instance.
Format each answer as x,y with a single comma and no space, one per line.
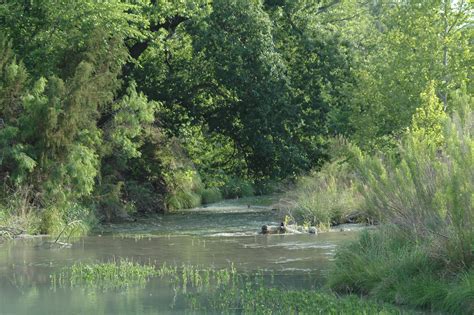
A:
423,255
184,187
183,200
51,221
388,265
237,188
326,197
268,187
211,195
143,196
427,190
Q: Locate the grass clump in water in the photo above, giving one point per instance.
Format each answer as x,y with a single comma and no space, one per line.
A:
216,290
277,301
119,274
252,294
124,273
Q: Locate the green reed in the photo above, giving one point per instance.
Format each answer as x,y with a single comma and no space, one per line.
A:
211,289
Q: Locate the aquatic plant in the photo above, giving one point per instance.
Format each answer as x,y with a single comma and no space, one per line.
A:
216,290
122,273
253,295
118,274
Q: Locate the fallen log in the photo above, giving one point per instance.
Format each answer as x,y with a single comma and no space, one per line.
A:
287,229
271,229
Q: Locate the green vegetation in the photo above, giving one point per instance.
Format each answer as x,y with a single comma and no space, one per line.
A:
116,108
211,195
421,194
215,290
327,197
424,251
390,266
278,301
105,276
238,188
123,273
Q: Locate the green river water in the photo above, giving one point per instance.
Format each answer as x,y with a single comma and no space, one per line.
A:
210,237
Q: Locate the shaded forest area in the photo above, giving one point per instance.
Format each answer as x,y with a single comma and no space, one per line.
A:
110,108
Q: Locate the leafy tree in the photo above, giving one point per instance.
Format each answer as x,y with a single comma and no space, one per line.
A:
15,164
254,109
141,105
411,44
428,120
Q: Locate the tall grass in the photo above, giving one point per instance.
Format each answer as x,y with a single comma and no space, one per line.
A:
389,266
424,252
427,190
17,211
184,187
327,197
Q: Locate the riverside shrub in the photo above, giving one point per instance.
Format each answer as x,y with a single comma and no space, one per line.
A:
326,197
423,253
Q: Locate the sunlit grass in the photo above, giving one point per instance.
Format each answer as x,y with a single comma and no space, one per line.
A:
110,275
210,289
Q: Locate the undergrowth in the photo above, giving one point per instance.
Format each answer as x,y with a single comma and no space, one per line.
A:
389,266
327,197
423,254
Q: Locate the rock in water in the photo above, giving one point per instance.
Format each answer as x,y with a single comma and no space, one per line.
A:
270,229
313,230
281,229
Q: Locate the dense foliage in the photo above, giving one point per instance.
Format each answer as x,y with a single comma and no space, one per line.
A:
109,108
423,255
421,192
112,107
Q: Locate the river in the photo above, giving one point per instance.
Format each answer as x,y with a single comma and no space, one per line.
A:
215,236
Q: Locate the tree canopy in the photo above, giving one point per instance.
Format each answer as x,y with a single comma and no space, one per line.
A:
120,106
